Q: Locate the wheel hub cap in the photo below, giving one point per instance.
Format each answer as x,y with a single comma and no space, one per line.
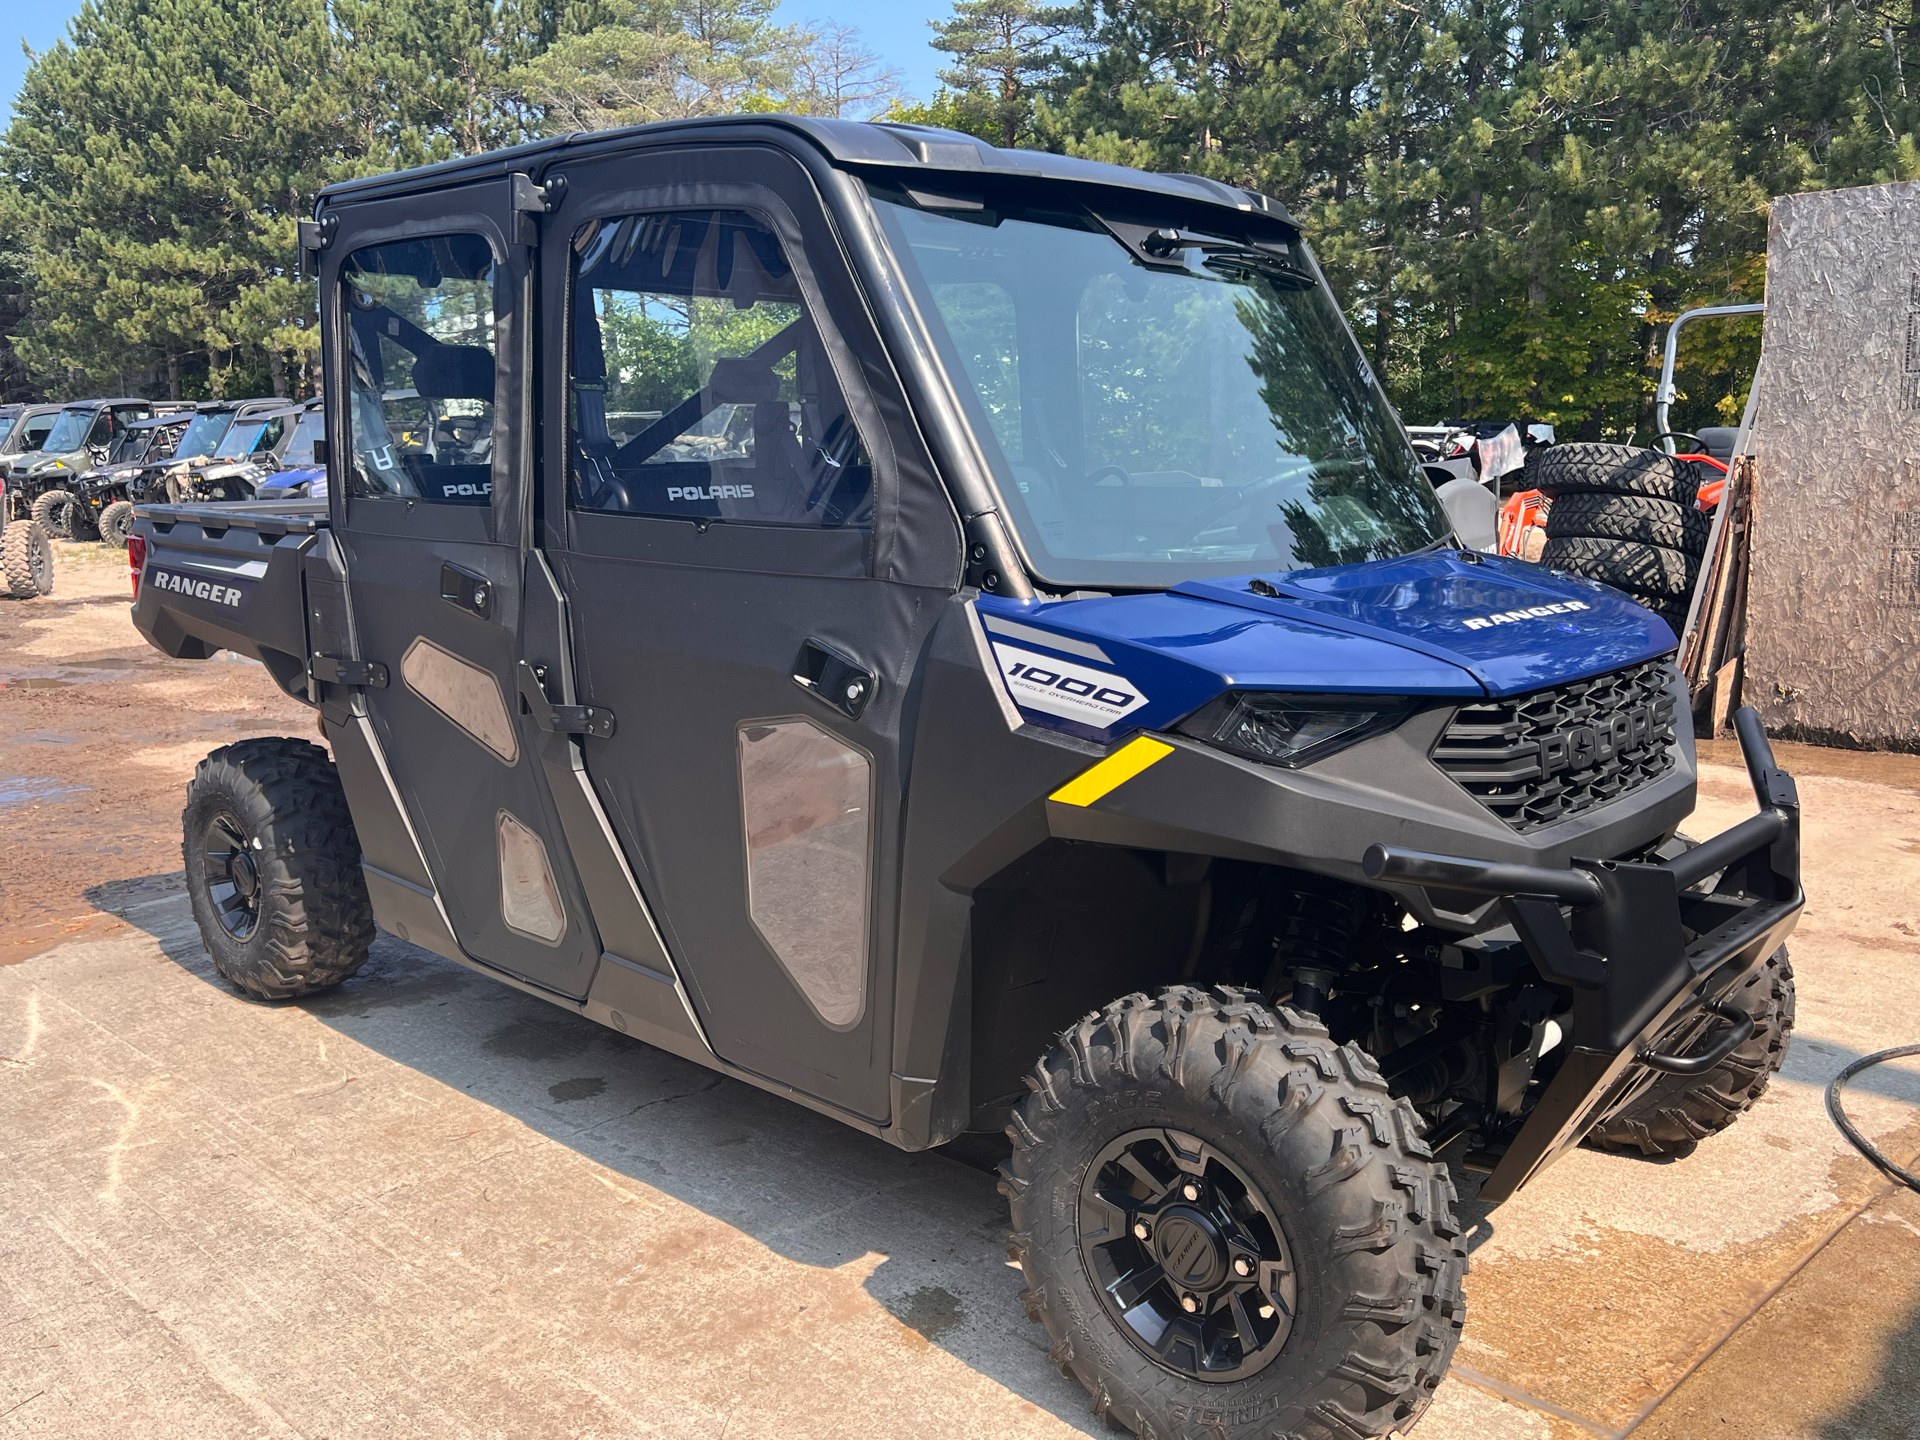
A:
1186,1254
233,882
1190,1250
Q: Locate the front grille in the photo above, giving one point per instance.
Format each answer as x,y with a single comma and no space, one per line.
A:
1535,759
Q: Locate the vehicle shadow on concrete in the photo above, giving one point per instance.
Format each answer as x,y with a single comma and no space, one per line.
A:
806,1187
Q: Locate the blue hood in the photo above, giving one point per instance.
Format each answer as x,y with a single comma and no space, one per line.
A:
1430,625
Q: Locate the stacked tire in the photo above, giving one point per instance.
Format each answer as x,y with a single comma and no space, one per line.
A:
1625,517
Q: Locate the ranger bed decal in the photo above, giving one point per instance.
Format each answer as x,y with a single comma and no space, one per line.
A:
211,591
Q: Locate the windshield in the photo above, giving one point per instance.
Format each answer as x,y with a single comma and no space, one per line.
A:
69,431
250,437
28,434
203,433
311,426
1151,425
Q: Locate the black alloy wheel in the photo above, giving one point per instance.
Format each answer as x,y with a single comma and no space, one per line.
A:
1187,1255
232,875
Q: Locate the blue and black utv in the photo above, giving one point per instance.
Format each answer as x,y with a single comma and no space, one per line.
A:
958,638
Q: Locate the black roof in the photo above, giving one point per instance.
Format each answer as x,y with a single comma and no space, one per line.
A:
253,402
857,144
99,403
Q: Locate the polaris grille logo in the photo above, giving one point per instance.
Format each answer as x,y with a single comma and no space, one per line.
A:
1606,741
1532,612
1064,688
210,591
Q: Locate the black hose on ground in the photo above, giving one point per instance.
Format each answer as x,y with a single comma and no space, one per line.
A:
1852,1131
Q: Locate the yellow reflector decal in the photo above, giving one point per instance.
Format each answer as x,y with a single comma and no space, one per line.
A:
1113,772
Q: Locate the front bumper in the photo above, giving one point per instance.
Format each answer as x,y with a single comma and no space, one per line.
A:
1638,944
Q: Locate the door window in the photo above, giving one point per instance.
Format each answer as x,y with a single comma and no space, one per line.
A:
700,389
420,401
808,820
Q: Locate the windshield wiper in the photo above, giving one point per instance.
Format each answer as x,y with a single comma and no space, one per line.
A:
1164,247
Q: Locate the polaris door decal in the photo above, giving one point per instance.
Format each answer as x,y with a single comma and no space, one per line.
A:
1067,688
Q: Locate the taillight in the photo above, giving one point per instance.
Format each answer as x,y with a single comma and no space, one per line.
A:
136,559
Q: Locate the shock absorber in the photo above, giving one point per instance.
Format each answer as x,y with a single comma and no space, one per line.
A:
1317,921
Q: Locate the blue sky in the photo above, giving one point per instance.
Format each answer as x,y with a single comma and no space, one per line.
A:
895,29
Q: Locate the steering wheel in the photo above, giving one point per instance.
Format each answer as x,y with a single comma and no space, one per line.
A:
1246,496
1681,435
1126,476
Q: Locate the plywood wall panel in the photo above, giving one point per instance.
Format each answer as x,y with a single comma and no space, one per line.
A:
1833,633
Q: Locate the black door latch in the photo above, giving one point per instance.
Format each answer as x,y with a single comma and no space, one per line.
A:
560,719
842,683
370,674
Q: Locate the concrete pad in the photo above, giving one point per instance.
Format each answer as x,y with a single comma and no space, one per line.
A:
1835,1353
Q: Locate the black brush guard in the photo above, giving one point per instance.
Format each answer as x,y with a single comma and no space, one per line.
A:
1639,946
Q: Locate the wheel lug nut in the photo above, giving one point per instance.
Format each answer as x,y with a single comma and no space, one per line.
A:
1241,1267
1140,1231
1266,1312
1190,1190
1189,1304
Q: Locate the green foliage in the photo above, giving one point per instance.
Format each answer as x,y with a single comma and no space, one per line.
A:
1511,197
160,156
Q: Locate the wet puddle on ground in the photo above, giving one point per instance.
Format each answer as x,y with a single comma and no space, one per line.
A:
20,790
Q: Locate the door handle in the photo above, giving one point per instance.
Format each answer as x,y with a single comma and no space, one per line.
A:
830,676
467,590
596,721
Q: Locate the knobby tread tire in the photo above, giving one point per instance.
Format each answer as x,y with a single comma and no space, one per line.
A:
1676,1112
54,509
316,922
26,559
1630,517
116,523
1368,1214
1641,570
1612,470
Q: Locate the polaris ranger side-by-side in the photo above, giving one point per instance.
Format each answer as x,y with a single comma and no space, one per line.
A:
958,637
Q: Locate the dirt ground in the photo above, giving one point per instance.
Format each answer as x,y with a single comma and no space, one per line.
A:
427,1205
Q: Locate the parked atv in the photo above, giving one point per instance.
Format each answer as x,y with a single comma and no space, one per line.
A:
82,438
1006,671
97,491
26,430
300,476
224,454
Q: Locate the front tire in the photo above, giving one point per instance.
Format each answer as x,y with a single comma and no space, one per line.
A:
273,869
1229,1227
1674,1113
54,509
26,559
116,523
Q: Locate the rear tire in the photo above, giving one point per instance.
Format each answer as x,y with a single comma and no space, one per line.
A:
26,559
273,869
1612,470
54,509
1676,1112
116,523
1291,1144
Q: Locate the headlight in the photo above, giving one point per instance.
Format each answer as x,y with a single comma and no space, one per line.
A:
1277,727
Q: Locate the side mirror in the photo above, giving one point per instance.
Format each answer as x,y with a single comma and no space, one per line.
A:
320,453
